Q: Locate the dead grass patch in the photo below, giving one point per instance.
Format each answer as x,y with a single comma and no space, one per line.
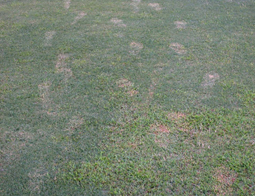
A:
161,133
16,141
118,22
224,180
80,16
178,48
48,37
135,4
176,116
132,92
155,6
45,94
210,79
61,66
124,83
75,123
67,4
36,180
136,47
180,24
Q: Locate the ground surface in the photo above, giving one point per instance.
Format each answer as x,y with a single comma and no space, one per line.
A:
127,97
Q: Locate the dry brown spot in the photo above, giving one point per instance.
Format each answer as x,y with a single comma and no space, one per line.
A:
180,24
124,83
48,37
210,79
67,4
16,141
156,6
136,47
132,92
44,94
80,16
176,116
159,129
135,4
118,22
178,48
36,177
224,181
61,66
75,123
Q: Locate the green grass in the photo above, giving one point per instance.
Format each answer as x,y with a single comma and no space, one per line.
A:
89,107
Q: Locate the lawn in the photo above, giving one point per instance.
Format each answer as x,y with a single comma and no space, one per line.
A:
127,97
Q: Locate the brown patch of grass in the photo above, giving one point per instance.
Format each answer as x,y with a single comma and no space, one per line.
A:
61,66
161,133
124,83
156,6
132,92
210,79
67,4
75,123
80,16
118,22
178,48
180,24
48,37
224,181
36,180
45,94
175,116
135,4
16,141
137,46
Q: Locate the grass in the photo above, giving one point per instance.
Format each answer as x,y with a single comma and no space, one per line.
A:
127,97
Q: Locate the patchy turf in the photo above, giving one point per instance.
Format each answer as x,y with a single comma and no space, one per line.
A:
127,97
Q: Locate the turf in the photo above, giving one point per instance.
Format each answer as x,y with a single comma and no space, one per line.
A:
127,97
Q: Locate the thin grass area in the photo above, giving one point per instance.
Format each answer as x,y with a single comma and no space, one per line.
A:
127,97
